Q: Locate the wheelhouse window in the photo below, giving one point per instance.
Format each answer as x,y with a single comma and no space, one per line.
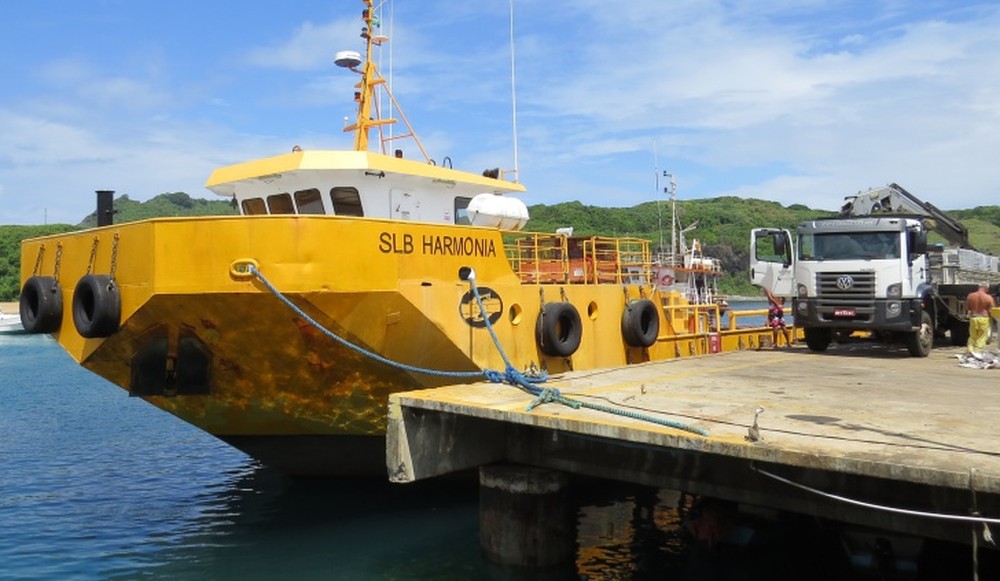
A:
462,211
280,204
253,206
309,201
346,201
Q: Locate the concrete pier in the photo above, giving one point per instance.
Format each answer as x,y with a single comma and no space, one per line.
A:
525,519
867,423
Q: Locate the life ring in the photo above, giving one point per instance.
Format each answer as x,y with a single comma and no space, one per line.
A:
97,306
559,329
640,323
666,279
41,305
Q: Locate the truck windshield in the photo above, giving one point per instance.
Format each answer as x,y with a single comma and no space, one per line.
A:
849,246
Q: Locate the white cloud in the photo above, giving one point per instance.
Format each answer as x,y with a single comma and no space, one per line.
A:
309,46
793,101
911,102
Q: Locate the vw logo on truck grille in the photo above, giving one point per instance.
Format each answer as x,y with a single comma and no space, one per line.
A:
845,282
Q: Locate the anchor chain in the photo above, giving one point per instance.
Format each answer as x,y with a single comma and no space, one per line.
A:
55,271
114,256
93,255
38,260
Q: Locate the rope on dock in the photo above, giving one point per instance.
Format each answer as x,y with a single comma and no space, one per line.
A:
548,394
894,510
510,375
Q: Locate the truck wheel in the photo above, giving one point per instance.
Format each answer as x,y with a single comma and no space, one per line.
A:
818,339
921,341
959,331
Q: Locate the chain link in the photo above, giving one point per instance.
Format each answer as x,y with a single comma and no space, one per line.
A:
93,255
55,272
38,260
114,256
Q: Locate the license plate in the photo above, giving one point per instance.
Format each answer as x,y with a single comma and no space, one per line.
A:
843,312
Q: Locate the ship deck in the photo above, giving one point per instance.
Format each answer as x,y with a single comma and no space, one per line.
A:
867,422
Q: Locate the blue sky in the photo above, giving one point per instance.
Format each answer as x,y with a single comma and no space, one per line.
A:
797,101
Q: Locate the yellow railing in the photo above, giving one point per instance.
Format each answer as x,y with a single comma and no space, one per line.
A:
695,319
558,259
735,315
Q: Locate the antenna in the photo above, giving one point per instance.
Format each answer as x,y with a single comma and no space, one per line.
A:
656,185
672,189
513,90
392,30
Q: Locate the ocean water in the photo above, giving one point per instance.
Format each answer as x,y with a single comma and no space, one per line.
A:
97,485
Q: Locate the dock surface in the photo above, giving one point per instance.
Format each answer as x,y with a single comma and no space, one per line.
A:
864,421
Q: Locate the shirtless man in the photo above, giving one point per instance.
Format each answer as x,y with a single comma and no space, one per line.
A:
979,303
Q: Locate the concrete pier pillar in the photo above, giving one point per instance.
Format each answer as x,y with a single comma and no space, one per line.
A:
525,517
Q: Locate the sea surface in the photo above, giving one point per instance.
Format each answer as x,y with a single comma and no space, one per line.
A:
97,485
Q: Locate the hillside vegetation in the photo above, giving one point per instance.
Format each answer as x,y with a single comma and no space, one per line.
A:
126,210
723,226
164,205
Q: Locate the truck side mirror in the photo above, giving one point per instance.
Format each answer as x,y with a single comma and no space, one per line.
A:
917,241
780,246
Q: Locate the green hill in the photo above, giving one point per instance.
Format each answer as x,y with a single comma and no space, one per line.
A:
723,226
175,204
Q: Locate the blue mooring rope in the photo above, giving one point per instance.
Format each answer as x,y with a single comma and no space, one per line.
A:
510,375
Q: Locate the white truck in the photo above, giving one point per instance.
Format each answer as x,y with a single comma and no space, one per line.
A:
872,269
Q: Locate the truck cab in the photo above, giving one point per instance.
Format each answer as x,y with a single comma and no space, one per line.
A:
850,274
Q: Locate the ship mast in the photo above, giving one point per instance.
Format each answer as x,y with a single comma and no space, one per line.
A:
674,250
367,93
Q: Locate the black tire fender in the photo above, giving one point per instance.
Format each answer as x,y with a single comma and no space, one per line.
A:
41,305
640,323
97,306
559,329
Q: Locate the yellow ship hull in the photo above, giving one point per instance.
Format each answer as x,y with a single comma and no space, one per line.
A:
202,339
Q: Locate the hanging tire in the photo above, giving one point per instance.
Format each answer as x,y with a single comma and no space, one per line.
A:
640,323
41,305
559,329
97,306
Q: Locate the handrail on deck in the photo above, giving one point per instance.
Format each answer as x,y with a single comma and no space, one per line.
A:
734,316
555,259
709,317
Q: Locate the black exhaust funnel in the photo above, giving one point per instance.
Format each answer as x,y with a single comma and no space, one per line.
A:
105,207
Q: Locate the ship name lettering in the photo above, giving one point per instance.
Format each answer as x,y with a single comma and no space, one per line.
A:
459,246
396,244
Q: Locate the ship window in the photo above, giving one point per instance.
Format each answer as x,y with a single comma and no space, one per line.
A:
253,206
280,204
462,212
309,201
346,201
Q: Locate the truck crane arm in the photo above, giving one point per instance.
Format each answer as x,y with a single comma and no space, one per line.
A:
894,200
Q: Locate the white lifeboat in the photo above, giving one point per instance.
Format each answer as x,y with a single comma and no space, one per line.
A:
498,211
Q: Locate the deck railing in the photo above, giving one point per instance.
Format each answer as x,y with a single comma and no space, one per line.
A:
558,259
